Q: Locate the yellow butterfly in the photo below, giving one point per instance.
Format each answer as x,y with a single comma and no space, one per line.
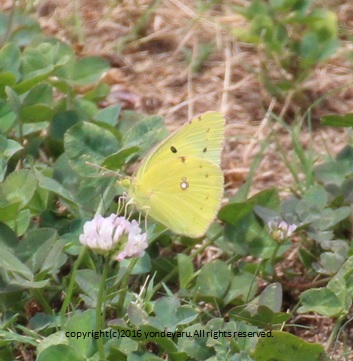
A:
180,182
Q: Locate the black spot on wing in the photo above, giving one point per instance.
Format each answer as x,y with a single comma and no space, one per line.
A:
173,149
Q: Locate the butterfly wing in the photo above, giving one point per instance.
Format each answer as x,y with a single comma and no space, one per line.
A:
201,137
182,193
180,183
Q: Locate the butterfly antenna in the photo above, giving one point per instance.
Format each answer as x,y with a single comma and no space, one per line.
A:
105,169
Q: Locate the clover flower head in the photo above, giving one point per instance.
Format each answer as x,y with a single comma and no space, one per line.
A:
136,243
281,230
115,235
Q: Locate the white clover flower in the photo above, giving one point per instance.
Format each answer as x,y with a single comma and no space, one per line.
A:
136,244
114,234
281,230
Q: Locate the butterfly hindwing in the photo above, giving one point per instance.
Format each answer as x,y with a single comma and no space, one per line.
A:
186,198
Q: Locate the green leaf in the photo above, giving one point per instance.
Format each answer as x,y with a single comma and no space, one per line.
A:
99,92
169,314
118,159
331,262
52,185
25,28
8,148
61,122
23,220
165,342
109,115
330,217
195,347
317,195
322,301
7,117
19,187
8,237
271,297
145,133
6,353
35,247
143,356
213,280
337,120
9,64
185,270
283,346
13,100
57,338
86,71
40,94
15,275
6,79
243,286
55,258
258,315
81,322
233,212
33,78
11,147
8,213
15,337
86,142
36,105
10,263
137,316
59,353
36,113
334,172
245,233
88,281
10,59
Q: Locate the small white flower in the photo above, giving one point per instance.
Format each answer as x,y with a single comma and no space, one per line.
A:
281,231
136,244
114,234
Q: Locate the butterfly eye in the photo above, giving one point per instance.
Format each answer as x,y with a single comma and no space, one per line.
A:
184,184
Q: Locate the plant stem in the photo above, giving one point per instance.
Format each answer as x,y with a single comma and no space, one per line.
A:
71,286
38,294
123,286
100,311
273,257
334,332
175,270
6,36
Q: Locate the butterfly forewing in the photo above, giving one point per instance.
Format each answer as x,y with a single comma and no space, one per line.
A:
201,137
